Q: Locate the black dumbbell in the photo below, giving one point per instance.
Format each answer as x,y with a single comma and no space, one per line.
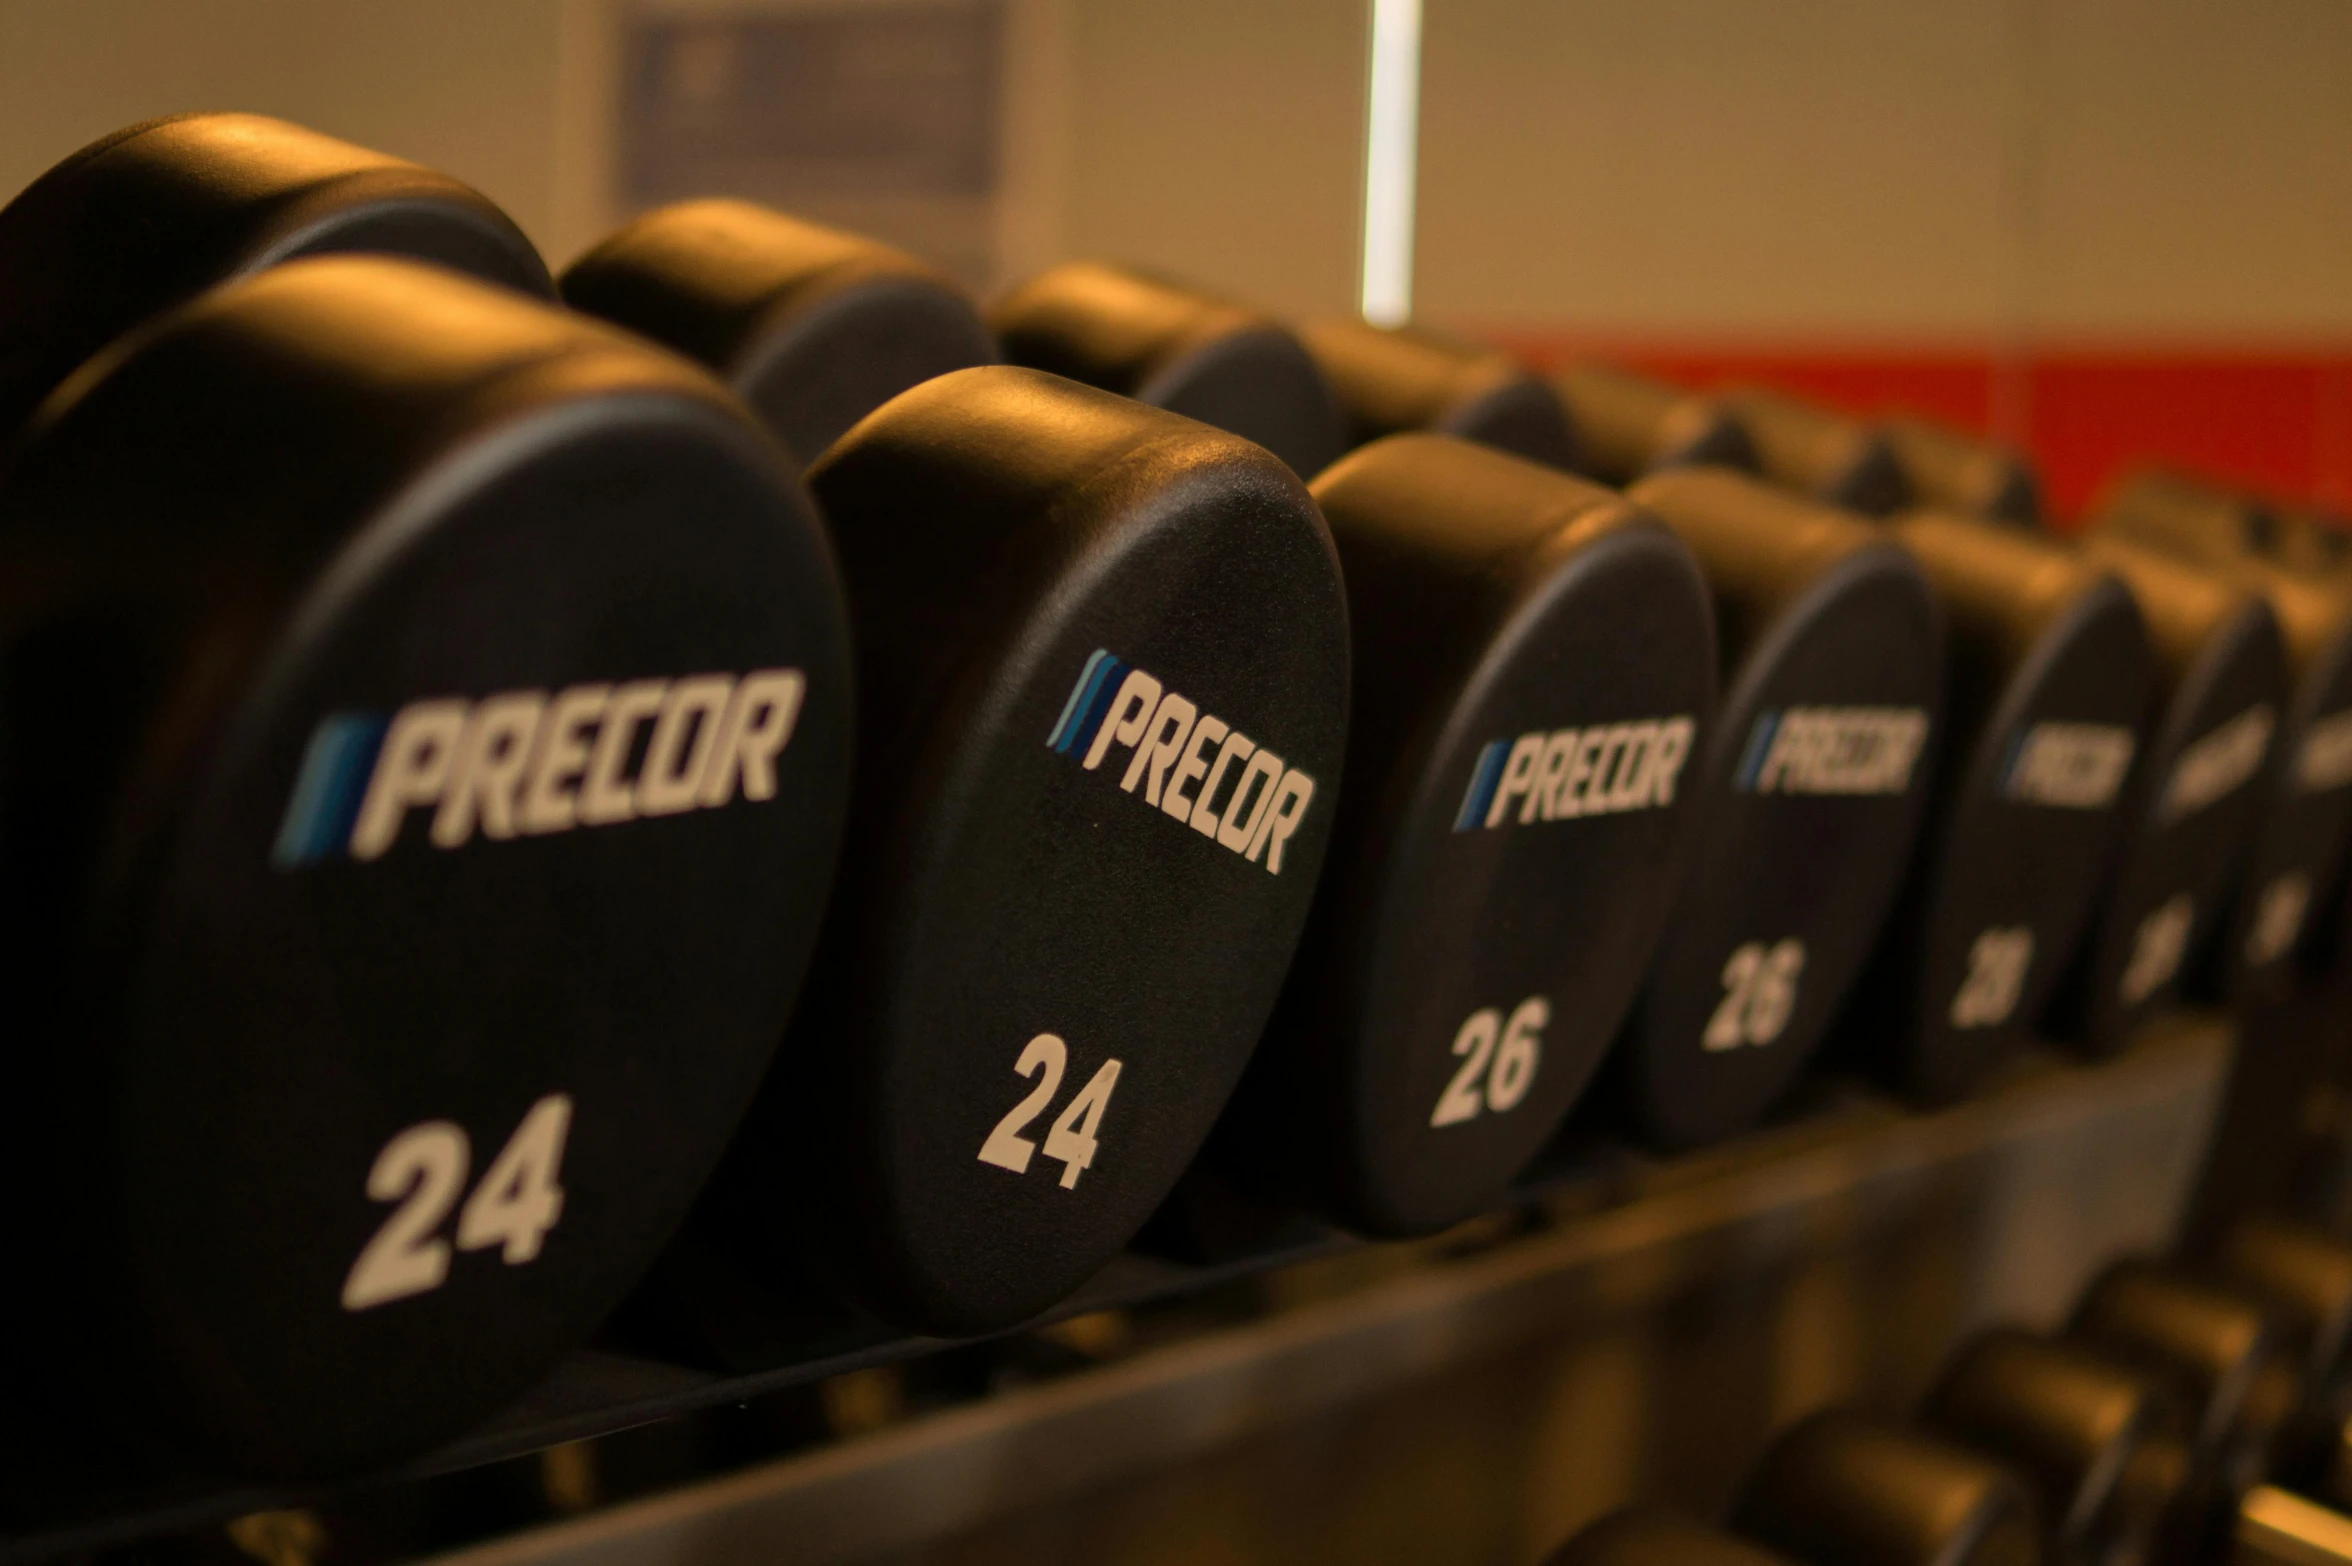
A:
2048,680
422,754
1628,425
2303,1277
144,219
1648,1536
2198,516
2278,929
1159,342
1103,669
1810,792
1948,470
2231,1364
1393,379
814,328
1843,1489
1503,859
2221,684
1102,656
2102,1444
1812,452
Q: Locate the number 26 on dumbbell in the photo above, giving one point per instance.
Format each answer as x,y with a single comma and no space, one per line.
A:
1759,994
1507,1072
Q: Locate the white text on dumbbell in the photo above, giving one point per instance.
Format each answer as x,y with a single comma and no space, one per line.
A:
1190,764
423,1169
2069,766
1759,995
1498,1062
2216,763
1072,1137
1998,960
1568,773
529,762
2158,946
1833,750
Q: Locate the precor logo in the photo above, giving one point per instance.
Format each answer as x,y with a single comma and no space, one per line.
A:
1190,764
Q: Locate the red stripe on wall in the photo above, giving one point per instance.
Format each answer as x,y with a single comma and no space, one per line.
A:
2279,420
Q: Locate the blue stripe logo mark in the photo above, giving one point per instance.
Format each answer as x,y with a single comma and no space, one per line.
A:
1759,746
1089,703
1483,778
336,766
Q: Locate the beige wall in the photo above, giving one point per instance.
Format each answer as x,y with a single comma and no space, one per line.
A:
1694,168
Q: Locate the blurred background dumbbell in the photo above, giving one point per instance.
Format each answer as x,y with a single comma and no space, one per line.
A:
1821,455
1949,470
149,216
814,328
2103,1445
1505,854
2221,687
1628,425
2281,924
1810,793
1392,379
1162,343
2047,685
1843,1489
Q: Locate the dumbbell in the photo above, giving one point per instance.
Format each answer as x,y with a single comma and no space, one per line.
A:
1810,790
2295,867
1951,471
1628,425
422,755
2221,683
1103,670
147,217
2103,1445
1812,452
2198,517
1393,379
1843,1489
1162,343
1650,1536
2302,1277
2231,1364
1518,796
813,327
2048,679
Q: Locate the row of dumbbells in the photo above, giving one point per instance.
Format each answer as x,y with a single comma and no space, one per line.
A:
427,739
2191,1411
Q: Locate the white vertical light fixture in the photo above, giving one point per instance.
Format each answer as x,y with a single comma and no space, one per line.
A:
1392,155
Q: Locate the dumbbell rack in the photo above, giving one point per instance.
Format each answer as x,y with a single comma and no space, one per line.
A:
1596,1212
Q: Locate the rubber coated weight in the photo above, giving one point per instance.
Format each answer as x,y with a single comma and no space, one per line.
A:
2221,687
1103,664
1393,379
2295,873
1949,471
2201,519
2303,1277
422,754
2227,1360
813,327
1841,1489
2102,1444
1503,858
2048,681
154,214
1628,425
1812,452
1161,343
1645,1536
1809,792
